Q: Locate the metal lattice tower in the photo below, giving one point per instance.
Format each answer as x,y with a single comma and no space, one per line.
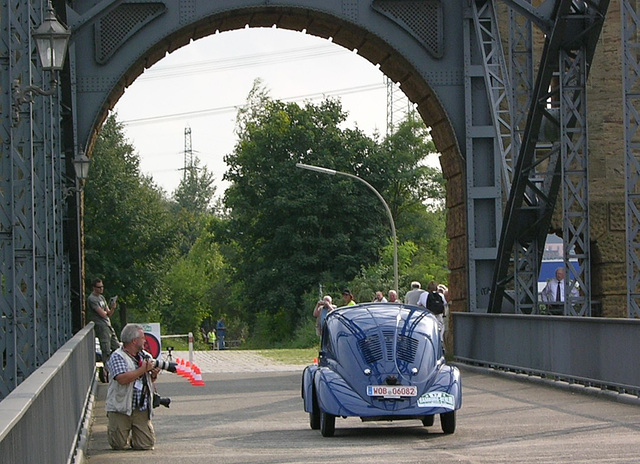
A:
188,153
398,105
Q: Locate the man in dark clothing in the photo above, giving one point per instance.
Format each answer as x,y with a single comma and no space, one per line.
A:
221,331
100,312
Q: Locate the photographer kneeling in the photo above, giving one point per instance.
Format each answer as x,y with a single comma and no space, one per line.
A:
128,403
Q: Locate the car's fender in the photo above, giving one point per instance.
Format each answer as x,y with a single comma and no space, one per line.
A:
335,396
307,386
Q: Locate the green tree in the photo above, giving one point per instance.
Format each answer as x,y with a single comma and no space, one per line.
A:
190,282
411,187
196,189
293,227
128,229
415,193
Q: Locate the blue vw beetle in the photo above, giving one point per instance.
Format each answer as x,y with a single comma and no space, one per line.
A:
381,362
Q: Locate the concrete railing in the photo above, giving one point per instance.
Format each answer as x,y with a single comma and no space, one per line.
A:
41,419
593,351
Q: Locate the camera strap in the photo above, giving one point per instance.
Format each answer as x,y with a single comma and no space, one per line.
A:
145,395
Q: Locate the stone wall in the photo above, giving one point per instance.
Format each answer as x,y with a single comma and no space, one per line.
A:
606,169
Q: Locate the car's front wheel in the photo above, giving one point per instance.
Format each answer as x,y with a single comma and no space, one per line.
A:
448,422
327,424
427,421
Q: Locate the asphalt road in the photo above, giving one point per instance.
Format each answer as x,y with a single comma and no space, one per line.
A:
249,415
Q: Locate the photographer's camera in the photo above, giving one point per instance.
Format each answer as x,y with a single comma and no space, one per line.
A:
165,365
160,401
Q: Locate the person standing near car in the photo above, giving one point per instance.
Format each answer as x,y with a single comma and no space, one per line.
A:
393,297
413,295
434,302
347,296
128,402
323,307
100,313
379,298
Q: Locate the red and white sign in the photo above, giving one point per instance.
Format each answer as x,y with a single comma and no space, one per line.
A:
153,342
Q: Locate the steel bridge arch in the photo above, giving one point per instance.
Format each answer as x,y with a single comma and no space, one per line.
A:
447,57
406,40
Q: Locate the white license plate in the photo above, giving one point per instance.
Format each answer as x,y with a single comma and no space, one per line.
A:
392,391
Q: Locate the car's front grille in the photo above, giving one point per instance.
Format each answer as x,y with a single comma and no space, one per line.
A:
373,350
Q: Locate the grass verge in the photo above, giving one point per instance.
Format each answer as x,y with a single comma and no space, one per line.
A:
301,356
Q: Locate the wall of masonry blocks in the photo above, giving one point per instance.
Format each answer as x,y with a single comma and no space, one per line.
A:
606,170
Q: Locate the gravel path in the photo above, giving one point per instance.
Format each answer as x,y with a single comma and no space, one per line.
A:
232,361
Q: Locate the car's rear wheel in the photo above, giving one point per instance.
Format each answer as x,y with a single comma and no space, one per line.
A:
314,415
327,424
427,421
448,422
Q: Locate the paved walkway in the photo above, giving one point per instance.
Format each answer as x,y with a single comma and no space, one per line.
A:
248,413
234,361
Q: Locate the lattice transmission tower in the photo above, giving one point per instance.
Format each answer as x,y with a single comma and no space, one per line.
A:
188,153
398,105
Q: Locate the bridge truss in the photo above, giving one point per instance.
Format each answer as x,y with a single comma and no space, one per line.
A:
546,165
525,129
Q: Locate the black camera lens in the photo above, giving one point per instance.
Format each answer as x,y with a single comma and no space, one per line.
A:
160,401
166,365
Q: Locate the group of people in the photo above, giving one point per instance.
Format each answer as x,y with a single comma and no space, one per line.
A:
434,298
131,374
215,337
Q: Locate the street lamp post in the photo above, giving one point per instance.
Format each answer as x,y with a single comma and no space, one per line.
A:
52,40
333,172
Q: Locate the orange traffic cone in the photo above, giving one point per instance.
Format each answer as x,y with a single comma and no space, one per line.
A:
197,379
180,366
186,370
189,372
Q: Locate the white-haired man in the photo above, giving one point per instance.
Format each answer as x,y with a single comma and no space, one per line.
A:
553,292
323,307
129,395
413,295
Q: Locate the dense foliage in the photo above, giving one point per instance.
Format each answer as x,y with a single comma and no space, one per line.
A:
292,226
128,228
283,236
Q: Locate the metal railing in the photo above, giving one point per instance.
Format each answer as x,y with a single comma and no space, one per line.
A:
599,352
41,419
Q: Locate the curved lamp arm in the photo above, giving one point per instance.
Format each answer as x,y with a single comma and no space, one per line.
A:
333,172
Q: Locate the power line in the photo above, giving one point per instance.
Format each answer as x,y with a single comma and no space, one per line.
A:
234,108
244,61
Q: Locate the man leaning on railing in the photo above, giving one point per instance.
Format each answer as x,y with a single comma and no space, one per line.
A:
553,293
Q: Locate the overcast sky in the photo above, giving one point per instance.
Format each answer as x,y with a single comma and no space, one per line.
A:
201,85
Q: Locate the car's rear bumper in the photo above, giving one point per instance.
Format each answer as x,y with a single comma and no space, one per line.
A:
336,397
